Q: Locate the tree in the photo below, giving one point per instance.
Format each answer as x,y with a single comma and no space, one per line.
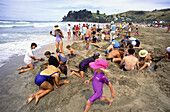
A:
98,12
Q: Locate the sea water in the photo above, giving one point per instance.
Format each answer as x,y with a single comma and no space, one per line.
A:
17,36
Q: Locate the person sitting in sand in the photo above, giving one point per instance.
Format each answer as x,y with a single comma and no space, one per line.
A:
72,51
99,79
28,59
52,60
114,56
167,53
84,64
126,53
145,59
107,37
130,62
41,80
62,59
88,36
110,48
59,35
117,45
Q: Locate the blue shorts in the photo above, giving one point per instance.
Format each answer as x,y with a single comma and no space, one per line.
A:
86,38
73,55
107,40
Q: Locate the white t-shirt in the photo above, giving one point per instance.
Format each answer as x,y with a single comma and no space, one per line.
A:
27,58
68,28
103,35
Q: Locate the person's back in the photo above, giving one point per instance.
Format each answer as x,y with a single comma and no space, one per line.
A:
88,32
116,45
113,54
113,27
130,62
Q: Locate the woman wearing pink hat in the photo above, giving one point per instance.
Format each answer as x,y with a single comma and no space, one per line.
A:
98,80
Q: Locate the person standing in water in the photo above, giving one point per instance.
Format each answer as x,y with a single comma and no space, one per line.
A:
99,79
59,35
28,59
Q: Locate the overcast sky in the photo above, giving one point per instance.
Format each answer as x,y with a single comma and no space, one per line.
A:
46,10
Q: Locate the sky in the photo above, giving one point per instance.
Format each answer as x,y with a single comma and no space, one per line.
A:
54,10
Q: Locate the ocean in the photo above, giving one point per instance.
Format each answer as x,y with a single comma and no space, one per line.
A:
17,36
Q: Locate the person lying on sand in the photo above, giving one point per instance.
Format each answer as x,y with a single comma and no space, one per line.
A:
72,51
114,55
167,53
130,62
110,48
52,60
41,80
28,59
145,59
99,79
84,64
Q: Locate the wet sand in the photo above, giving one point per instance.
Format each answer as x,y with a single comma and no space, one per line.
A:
136,91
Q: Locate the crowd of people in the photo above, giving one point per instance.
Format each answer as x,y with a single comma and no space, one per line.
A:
122,53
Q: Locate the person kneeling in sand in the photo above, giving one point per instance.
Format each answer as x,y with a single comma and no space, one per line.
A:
41,80
99,79
114,55
110,48
130,62
28,59
145,59
62,59
84,64
167,53
52,60
72,51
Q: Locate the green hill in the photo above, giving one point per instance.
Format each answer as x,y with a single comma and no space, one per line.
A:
134,16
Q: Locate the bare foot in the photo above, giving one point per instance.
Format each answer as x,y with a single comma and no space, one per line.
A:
21,72
72,73
20,68
110,103
36,99
30,99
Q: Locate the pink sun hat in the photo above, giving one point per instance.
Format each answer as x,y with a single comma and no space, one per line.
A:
100,63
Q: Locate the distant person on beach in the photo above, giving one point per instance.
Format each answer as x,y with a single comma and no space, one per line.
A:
52,60
114,56
84,64
51,72
69,31
107,36
167,53
77,32
130,62
131,40
99,79
88,36
168,28
145,59
74,32
72,51
113,30
109,48
59,35
28,59
84,28
62,59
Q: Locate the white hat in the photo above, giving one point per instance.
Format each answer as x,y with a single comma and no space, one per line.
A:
56,28
113,43
134,43
168,49
143,53
112,22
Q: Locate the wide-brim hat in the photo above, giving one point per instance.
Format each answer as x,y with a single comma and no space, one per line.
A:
56,28
143,53
99,63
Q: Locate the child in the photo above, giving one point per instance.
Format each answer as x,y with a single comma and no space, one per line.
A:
61,57
145,59
98,80
72,51
111,47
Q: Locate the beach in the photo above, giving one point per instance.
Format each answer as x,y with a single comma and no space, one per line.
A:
135,91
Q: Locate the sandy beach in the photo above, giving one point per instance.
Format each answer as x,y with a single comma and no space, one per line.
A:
136,91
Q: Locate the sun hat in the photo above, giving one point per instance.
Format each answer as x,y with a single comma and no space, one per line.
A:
112,22
56,28
134,43
143,53
113,43
99,63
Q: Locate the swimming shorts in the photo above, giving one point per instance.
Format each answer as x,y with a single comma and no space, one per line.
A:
73,55
86,38
123,68
74,33
27,62
107,40
39,79
110,59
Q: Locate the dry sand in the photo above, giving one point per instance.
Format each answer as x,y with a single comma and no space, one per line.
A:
136,91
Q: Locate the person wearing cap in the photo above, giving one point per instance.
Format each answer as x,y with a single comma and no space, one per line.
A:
114,56
29,56
167,53
113,30
130,62
51,59
98,80
145,59
51,72
84,64
69,31
59,35
110,48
